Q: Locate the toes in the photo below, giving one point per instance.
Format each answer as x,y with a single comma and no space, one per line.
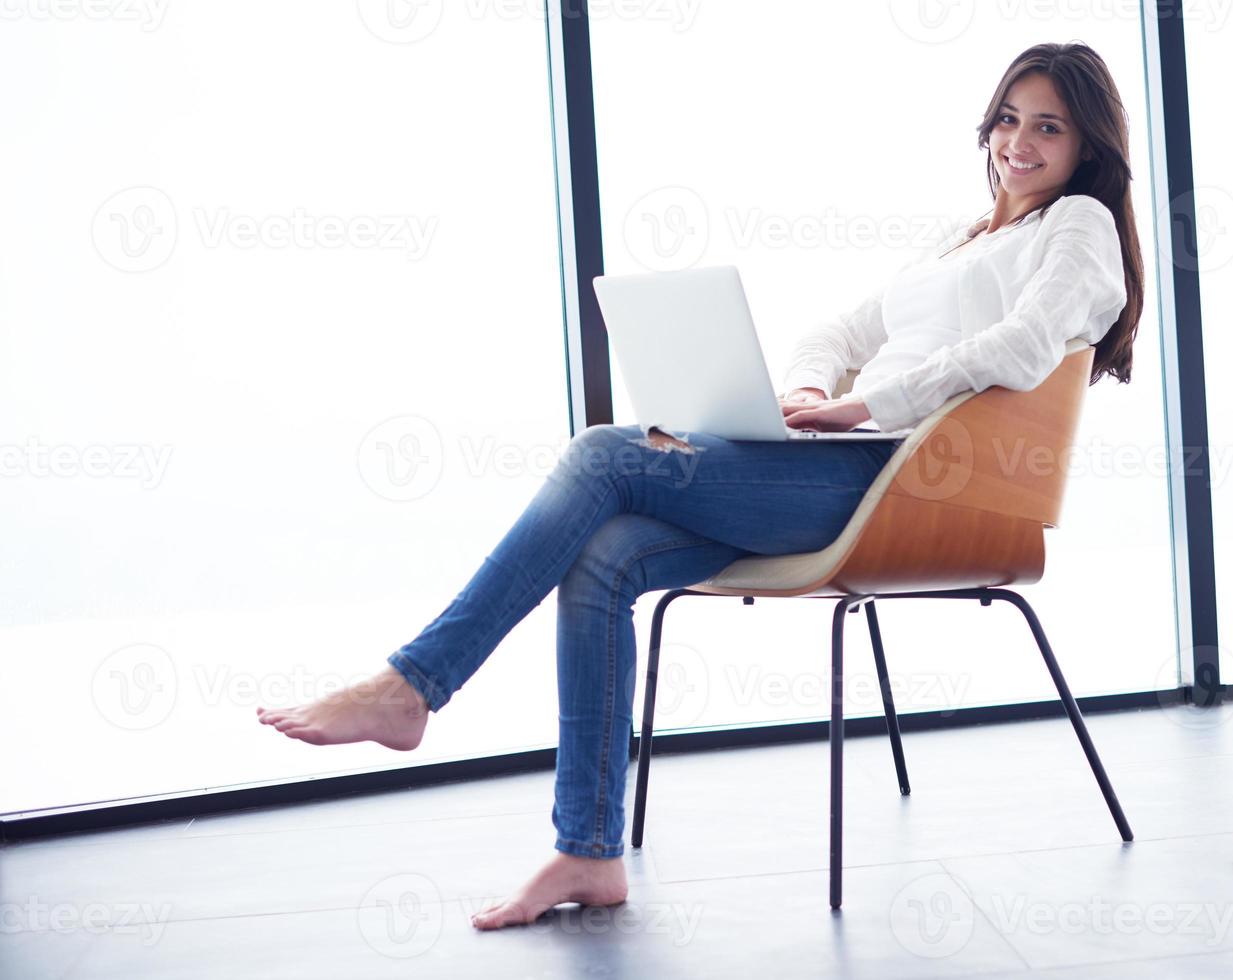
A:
508,914
492,918
482,914
310,735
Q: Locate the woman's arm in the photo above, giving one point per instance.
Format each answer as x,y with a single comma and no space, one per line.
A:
822,355
1080,281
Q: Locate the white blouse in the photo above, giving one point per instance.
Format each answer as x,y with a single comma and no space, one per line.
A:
920,310
1000,315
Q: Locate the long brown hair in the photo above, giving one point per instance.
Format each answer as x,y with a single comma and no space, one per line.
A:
1083,81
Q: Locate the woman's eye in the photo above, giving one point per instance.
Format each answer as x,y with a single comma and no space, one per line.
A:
1053,128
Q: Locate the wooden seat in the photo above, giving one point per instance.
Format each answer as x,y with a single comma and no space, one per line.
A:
958,511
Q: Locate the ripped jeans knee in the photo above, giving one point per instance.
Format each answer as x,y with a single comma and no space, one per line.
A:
664,442
607,451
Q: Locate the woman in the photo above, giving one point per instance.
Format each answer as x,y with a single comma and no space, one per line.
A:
621,514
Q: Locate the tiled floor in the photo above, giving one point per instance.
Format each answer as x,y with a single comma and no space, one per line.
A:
1003,862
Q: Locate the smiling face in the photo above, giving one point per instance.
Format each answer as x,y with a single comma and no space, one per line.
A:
1034,127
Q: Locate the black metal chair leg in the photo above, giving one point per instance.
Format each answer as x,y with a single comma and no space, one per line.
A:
836,739
888,700
1072,709
648,714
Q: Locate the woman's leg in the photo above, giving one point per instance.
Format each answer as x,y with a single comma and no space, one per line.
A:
597,666
596,669
760,497
629,555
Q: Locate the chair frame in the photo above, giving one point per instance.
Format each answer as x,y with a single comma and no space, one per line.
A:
984,532
851,604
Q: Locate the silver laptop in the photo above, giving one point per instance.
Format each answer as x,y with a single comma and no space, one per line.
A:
690,357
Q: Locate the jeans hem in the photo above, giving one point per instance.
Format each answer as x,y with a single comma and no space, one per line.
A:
579,849
433,693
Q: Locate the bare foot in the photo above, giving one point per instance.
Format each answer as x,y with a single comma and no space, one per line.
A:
566,878
383,708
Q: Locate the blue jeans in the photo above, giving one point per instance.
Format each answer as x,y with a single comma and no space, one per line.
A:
615,518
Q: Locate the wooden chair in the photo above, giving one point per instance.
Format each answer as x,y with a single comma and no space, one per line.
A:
947,518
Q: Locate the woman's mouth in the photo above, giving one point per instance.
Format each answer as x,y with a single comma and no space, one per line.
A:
1017,166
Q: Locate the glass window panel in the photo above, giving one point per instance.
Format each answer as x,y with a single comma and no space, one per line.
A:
1209,52
280,359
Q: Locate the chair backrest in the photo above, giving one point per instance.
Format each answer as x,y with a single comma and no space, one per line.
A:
969,492
962,503
1003,450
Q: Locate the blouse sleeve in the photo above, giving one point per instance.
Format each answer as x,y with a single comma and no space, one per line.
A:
1078,291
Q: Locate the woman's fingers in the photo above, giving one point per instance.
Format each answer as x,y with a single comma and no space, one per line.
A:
795,405
802,417
826,417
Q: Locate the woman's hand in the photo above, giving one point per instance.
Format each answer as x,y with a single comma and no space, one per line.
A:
825,416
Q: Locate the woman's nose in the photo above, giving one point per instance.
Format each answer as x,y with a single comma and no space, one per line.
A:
1015,148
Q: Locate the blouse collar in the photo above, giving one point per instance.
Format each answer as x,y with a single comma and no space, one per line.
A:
976,227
